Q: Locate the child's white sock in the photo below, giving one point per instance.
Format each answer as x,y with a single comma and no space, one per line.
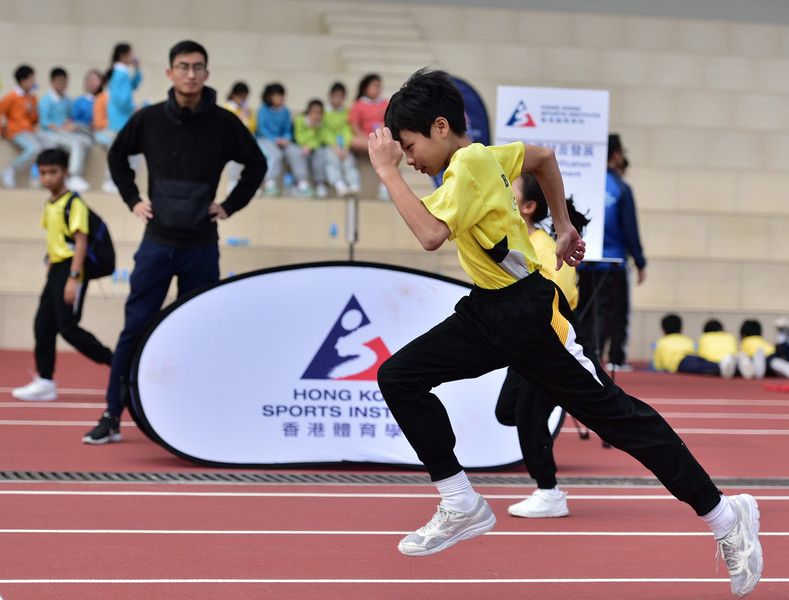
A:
457,493
720,519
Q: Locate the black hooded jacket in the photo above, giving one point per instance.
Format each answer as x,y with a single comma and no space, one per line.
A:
185,152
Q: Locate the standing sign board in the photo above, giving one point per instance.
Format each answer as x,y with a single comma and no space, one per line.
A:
574,123
278,367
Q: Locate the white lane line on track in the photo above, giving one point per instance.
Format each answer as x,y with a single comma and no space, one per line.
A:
679,430
33,423
399,581
67,391
48,404
746,402
361,532
330,495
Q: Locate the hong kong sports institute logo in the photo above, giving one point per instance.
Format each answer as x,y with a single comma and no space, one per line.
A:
351,351
520,117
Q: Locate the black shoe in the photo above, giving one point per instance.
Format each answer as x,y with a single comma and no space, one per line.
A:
108,430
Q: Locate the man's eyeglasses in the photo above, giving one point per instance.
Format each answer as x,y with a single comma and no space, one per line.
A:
184,68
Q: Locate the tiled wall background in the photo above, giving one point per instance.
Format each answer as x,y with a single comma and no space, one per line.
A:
702,105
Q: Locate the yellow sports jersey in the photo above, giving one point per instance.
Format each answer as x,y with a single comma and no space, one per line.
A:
477,204
752,343
670,350
545,247
54,221
716,345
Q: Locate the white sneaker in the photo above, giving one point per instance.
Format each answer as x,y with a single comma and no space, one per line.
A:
740,548
354,190
759,364
728,366
77,184
340,189
780,366
321,191
38,389
109,187
745,365
448,527
8,175
541,504
625,368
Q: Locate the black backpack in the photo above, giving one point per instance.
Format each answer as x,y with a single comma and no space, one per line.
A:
100,257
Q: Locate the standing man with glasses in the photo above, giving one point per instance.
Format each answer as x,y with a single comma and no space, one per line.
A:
186,140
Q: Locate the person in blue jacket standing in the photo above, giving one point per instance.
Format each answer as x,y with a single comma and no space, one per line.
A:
604,288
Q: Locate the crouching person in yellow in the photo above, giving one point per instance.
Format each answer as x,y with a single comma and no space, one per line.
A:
676,353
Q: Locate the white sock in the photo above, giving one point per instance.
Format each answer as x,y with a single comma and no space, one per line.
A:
720,519
553,492
456,493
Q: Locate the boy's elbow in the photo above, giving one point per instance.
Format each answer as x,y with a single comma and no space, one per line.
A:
434,239
431,244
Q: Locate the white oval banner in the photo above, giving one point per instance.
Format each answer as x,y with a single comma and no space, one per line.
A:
279,367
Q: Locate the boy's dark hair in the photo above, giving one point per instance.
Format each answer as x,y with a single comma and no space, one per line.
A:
713,325
239,87
53,156
614,144
367,80
750,327
57,72
270,90
427,95
187,47
671,323
337,87
23,72
532,192
313,102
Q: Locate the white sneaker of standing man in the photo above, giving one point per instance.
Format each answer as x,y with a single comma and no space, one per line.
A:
542,504
39,389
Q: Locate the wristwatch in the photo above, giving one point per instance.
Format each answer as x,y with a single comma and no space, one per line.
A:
74,274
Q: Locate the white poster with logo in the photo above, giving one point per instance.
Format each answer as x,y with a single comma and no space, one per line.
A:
279,367
574,123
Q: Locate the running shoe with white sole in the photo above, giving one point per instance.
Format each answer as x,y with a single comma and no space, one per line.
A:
740,548
541,504
745,366
39,389
448,527
759,364
108,430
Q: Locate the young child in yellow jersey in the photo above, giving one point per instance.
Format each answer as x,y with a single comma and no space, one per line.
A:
676,353
769,359
63,297
513,317
520,403
715,344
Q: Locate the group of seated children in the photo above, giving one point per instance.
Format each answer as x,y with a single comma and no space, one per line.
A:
58,121
318,147
718,353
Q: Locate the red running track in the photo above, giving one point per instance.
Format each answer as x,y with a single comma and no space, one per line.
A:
273,541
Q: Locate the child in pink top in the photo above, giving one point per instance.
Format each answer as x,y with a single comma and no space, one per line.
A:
367,115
